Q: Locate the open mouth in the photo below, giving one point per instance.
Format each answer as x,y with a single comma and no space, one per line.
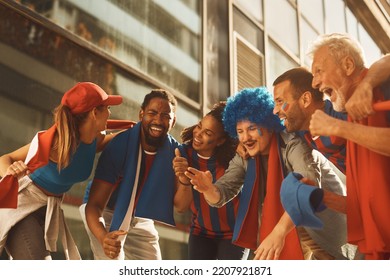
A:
282,119
196,142
327,91
156,131
249,145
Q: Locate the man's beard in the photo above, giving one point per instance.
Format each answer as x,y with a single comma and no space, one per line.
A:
154,141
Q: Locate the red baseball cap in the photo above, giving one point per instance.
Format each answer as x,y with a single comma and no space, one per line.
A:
85,96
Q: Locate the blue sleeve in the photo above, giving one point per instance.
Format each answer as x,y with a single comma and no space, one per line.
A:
112,159
331,112
86,194
183,150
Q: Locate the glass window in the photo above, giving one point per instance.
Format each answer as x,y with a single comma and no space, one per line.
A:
39,62
217,53
156,37
246,28
279,62
371,50
252,7
352,24
284,31
313,11
335,16
308,34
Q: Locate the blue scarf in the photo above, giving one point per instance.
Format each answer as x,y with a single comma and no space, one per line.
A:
156,199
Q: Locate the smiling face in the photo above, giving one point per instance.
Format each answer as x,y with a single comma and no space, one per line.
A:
330,78
207,135
157,119
255,139
288,109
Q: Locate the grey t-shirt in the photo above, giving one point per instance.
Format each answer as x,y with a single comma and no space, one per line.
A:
299,157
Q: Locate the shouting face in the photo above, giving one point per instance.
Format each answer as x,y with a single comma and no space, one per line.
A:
331,77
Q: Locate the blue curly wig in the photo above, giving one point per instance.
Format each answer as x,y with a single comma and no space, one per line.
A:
253,104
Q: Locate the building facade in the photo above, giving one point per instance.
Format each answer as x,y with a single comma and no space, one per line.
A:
201,50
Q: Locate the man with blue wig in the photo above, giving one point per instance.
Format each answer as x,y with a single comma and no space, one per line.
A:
262,224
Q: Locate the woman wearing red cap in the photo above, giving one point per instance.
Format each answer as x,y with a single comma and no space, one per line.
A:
36,176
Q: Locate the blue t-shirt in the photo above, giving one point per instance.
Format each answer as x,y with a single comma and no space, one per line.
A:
118,166
78,170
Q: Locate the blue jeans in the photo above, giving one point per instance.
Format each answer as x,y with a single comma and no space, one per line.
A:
204,248
25,240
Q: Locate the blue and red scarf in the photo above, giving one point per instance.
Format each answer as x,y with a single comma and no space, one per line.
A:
156,198
247,231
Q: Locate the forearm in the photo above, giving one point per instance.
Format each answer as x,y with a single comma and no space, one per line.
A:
230,184
373,138
94,220
285,225
378,72
98,198
213,196
183,198
5,162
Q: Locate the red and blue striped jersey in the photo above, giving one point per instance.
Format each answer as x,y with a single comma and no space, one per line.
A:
210,221
146,165
332,147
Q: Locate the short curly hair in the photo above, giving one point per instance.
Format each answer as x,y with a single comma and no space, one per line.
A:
223,153
252,104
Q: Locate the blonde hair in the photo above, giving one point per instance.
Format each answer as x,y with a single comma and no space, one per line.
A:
68,136
340,46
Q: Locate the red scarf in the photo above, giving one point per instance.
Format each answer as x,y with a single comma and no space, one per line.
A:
368,189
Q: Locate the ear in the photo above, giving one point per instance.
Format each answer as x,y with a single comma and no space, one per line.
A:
141,114
306,99
174,121
93,113
348,65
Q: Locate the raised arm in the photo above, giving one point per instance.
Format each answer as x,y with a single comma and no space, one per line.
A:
225,188
373,138
183,195
359,105
203,183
